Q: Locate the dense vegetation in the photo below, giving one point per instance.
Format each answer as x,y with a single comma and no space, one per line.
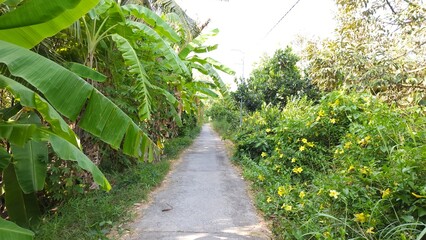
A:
89,86
338,150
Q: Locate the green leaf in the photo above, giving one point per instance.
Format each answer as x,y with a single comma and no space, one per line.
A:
151,18
135,67
30,99
67,151
171,58
31,165
47,19
85,72
4,159
22,208
17,133
67,93
212,62
9,230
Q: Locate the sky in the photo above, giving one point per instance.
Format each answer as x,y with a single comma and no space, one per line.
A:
244,25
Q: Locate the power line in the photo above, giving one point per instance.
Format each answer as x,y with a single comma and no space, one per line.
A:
281,19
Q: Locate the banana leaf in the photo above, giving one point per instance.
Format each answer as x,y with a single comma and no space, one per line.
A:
47,19
9,230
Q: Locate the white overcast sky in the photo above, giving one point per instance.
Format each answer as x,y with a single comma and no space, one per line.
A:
243,25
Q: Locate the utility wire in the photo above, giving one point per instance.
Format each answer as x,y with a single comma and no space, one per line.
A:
281,19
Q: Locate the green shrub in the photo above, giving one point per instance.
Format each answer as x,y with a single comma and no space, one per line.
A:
348,167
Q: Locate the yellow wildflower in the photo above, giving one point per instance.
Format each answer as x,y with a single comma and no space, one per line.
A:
321,113
304,140
310,144
268,130
302,148
333,193
348,145
302,194
370,230
298,170
318,118
264,154
326,234
261,177
281,155
351,168
361,217
281,191
287,207
365,170
269,199
386,193
333,120
293,160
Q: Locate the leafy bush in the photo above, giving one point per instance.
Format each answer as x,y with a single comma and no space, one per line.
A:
348,167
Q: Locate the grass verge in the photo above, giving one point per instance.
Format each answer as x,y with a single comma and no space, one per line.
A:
92,215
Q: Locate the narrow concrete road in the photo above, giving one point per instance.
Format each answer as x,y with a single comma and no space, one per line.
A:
203,198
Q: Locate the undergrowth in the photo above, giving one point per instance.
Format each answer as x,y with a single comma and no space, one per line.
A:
93,214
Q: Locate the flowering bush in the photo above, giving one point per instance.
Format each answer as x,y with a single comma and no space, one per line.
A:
348,167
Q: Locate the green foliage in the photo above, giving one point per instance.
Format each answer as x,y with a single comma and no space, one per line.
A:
349,167
376,48
274,81
98,211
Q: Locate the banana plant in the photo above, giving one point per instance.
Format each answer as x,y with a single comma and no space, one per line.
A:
50,92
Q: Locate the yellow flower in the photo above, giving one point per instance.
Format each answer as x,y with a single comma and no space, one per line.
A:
326,234
281,155
302,194
370,230
261,177
365,170
304,140
361,217
333,120
281,191
286,207
333,193
386,193
269,199
268,130
264,154
348,145
321,113
318,118
293,160
310,144
351,168
302,148
298,170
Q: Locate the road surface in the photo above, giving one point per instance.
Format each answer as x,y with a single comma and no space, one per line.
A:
203,198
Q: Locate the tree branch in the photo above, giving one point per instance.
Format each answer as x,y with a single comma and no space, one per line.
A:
390,6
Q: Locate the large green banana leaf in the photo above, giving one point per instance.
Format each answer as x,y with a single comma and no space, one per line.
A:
135,67
4,160
30,165
207,69
64,149
22,208
85,72
172,60
144,85
68,93
9,230
151,18
47,19
30,99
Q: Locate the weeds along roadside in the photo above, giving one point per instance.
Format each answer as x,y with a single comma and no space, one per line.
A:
93,214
